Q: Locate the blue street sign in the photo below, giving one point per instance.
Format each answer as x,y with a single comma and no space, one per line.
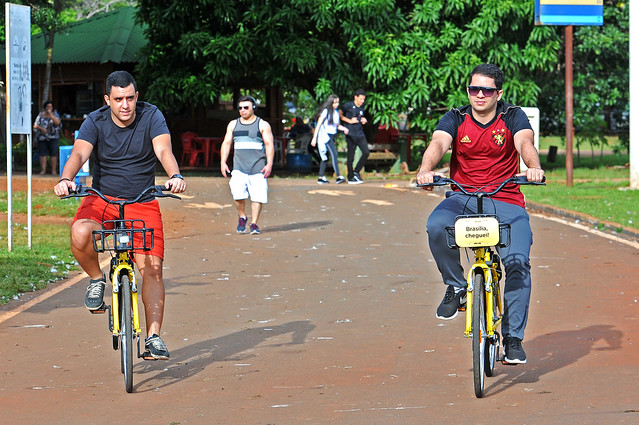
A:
568,12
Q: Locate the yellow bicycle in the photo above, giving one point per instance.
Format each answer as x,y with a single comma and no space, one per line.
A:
124,320
482,233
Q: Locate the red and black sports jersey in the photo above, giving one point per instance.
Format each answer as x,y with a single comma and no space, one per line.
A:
484,154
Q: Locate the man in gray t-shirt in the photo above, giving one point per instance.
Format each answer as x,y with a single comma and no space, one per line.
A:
125,139
252,141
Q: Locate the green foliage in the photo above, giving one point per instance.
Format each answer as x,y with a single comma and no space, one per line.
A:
411,56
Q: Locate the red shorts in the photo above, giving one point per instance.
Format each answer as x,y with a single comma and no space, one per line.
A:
94,208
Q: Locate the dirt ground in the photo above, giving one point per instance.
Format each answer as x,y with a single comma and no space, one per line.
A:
328,317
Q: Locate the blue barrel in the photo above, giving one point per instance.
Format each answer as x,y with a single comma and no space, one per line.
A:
65,153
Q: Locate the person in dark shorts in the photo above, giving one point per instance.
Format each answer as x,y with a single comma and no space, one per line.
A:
47,126
125,139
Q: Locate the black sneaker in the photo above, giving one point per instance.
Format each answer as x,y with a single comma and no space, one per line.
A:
514,352
340,180
354,181
451,304
95,294
155,348
241,224
322,180
357,177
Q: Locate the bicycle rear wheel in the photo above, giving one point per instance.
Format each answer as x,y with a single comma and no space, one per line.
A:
126,333
479,334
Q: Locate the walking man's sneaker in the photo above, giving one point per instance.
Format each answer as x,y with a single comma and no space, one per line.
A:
514,352
357,177
241,224
322,180
155,348
255,230
95,294
354,180
340,180
451,304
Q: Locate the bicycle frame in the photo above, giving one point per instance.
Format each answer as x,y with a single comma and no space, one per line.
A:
483,257
122,263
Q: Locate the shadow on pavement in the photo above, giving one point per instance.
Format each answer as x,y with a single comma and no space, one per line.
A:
193,359
554,351
296,226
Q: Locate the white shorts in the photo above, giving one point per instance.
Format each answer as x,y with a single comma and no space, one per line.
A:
242,185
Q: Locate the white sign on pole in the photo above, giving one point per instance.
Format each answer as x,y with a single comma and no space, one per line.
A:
19,72
533,117
18,110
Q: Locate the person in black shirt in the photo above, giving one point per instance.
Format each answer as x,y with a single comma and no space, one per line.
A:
352,115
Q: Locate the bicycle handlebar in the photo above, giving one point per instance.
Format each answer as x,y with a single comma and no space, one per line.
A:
520,180
157,191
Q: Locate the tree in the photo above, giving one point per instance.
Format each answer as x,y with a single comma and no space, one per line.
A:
411,56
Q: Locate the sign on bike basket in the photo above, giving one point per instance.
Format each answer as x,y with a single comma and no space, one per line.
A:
476,231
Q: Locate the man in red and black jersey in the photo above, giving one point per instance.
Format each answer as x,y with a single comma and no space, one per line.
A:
487,138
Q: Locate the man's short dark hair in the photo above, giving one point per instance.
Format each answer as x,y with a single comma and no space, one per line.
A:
120,79
360,92
491,71
247,98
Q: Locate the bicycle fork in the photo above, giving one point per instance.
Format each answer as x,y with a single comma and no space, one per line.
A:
121,265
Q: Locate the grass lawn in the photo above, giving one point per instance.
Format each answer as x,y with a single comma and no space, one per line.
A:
600,189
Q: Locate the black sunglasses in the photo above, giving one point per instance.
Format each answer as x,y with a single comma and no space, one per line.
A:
487,91
242,107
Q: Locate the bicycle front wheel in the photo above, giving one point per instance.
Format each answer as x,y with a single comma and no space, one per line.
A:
479,334
126,333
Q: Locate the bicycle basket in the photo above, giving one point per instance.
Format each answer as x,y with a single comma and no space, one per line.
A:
123,233
474,231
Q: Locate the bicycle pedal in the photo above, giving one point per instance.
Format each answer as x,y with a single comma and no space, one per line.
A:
147,356
100,310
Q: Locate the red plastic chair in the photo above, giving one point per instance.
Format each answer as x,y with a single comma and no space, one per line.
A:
191,150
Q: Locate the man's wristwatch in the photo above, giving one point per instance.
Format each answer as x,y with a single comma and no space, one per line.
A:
177,176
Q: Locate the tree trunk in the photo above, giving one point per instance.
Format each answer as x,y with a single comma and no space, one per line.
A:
46,93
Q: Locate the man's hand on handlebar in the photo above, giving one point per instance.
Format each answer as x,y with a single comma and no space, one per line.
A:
534,174
64,187
425,177
176,184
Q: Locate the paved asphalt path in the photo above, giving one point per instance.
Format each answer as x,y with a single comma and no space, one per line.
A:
328,317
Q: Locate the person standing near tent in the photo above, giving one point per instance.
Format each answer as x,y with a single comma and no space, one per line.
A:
47,126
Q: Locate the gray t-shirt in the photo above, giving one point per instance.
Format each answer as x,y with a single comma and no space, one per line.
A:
123,158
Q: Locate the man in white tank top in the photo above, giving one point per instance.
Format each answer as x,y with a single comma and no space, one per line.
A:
252,141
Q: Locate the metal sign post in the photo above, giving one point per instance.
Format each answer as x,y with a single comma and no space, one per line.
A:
634,99
18,62
569,13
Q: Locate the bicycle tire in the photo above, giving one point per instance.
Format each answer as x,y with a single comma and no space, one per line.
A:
126,333
479,334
